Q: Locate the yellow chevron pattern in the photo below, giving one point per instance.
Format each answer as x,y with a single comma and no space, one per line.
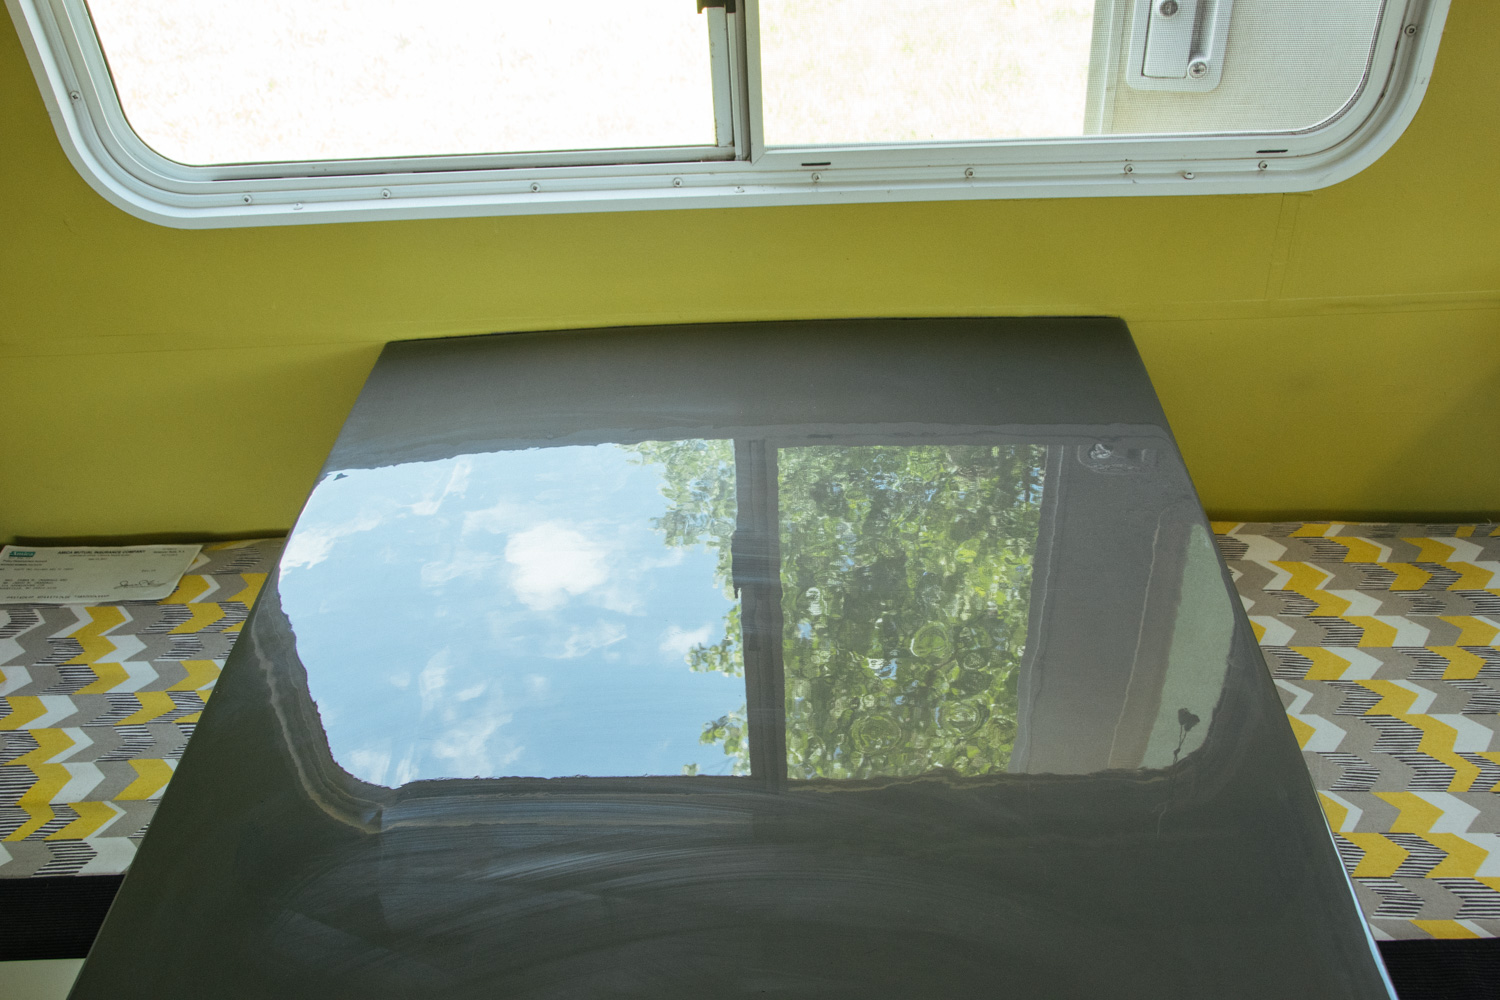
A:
154,704
100,701
1473,631
1327,664
152,779
92,818
49,743
1385,639
1381,855
24,709
201,675
1464,859
253,583
1449,928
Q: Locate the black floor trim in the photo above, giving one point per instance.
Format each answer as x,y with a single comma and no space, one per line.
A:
1466,969
53,917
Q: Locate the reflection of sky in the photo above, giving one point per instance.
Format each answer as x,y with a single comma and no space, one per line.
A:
504,614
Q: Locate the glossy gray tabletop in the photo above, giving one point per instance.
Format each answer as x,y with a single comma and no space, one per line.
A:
848,659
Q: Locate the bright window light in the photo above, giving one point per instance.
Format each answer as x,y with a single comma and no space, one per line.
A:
257,112
243,81
923,70
896,71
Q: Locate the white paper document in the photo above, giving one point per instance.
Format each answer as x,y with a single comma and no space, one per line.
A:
91,574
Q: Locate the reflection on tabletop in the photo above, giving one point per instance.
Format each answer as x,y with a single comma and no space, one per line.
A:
696,607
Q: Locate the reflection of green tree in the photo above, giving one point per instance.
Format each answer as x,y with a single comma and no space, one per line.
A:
905,581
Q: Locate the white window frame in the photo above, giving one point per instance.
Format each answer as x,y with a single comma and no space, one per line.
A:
740,171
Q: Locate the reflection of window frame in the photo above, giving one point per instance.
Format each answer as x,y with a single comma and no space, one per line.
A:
755,558
1114,490
740,171
1153,649
1111,553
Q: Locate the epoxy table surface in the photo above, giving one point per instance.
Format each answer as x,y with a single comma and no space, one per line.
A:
878,658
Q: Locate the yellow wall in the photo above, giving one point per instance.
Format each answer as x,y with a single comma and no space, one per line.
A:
1333,353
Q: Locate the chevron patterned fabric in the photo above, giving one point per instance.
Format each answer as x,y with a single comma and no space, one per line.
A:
99,702
1383,638
1383,641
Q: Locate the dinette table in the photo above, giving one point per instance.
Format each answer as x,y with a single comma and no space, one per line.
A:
856,658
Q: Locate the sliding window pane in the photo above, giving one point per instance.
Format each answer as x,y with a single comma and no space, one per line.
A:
1287,65
923,70
897,71
231,81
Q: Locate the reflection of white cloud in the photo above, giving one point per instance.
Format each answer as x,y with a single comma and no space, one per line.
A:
675,640
406,771
582,641
672,557
492,519
554,562
370,765
432,679
311,545
537,686
401,680
465,562
468,746
458,483
622,600
470,693
324,521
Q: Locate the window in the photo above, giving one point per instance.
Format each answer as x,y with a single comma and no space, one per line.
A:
249,112
275,80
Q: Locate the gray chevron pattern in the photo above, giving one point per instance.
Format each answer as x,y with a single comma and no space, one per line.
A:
97,704
1385,642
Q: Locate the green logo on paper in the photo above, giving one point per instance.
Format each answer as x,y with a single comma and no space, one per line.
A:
19,554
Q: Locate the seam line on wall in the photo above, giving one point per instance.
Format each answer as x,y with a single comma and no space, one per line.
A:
1281,245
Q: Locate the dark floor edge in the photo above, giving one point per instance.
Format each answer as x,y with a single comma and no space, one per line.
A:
1444,970
53,917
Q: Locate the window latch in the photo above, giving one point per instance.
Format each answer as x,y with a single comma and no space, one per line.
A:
1178,44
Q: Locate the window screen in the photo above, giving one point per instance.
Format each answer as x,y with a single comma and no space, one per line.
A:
893,71
914,70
